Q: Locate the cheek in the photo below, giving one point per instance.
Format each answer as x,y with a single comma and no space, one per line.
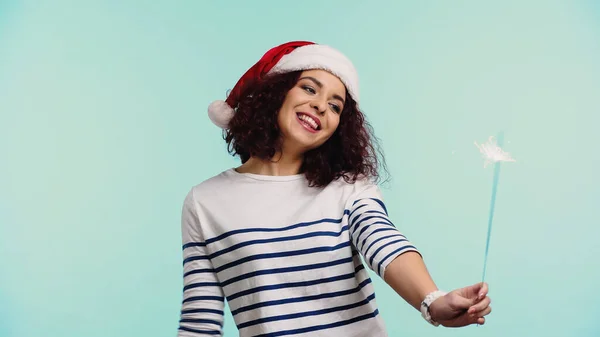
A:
334,123
283,114
281,122
285,117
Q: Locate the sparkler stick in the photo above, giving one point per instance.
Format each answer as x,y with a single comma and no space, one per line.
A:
492,153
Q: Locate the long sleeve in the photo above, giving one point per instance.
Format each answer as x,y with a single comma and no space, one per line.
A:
372,232
203,298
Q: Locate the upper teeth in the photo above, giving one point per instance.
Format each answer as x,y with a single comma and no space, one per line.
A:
310,121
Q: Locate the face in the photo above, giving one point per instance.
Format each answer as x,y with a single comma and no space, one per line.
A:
310,113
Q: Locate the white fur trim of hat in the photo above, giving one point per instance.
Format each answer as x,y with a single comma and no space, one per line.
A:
288,57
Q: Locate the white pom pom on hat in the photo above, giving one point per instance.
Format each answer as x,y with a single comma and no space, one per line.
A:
220,113
287,57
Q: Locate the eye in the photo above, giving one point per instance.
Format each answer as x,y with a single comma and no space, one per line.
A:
309,89
336,108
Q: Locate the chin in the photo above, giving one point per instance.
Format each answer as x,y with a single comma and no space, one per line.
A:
300,140
301,136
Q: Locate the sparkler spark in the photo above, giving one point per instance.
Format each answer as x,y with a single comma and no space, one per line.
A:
492,153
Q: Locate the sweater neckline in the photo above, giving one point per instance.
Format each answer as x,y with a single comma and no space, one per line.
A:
264,177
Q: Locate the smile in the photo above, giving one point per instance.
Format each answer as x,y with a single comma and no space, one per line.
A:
308,122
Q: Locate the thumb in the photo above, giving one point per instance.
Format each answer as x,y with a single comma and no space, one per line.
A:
464,298
460,302
475,291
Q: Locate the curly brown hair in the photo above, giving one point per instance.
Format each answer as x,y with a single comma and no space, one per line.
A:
350,153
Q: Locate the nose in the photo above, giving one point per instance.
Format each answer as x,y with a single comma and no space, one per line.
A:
319,105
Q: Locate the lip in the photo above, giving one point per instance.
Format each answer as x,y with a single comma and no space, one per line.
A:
315,118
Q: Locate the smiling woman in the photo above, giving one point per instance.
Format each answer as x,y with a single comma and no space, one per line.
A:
281,236
306,121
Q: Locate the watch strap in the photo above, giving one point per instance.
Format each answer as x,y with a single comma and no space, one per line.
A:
426,303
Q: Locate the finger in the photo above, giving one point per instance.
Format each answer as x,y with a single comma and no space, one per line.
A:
475,320
479,290
475,291
459,302
483,291
485,302
484,312
479,318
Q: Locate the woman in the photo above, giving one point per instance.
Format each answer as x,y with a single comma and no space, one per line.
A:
283,237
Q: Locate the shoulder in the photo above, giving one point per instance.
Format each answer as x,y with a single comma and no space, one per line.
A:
362,187
360,184
209,186
362,192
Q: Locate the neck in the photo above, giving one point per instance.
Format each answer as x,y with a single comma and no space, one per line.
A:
279,165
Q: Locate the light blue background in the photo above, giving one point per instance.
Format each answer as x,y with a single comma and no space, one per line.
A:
103,129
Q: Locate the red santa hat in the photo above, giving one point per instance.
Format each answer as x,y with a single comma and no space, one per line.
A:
287,57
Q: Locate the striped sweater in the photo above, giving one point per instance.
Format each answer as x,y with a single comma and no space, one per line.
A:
288,258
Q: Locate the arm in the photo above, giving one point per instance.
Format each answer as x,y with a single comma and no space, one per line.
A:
387,252
409,277
203,299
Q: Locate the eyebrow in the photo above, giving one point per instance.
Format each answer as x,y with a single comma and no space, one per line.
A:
320,85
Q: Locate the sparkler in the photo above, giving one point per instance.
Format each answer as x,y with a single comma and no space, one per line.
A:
493,154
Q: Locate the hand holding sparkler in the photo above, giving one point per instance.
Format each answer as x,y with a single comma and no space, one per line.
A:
470,305
462,307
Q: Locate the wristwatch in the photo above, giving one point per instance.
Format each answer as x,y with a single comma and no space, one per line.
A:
434,295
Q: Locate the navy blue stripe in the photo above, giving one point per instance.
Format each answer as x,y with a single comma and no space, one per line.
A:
377,231
291,285
381,204
396,251
382,247
356,209
206,332
200,320
201,284
278,239
194,258
197,311
392,253
281,229
368,212
385,222
376,212
321,327
357,224
304,298
382,238
369,226
283,254
204,298
307,313
199,271
286,270
194,244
